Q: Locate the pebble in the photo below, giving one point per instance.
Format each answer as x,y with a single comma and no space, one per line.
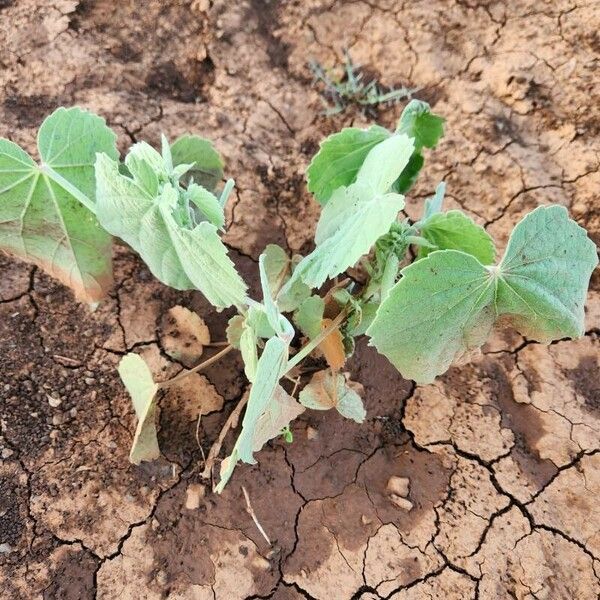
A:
7,453
311,433
54,402
401,503
161,578
195,492
398,486
5,548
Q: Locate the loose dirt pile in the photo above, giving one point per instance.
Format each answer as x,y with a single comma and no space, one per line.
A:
502,454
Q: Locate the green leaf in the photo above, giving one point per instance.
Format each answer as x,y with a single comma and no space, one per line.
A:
350,224
208,165
182,257
355,217
440,308
309,316
408,177
270,368
326,390
385,162
277,265
139,382
271,365
454,230
418,122
447,303
544,275
339,159
208,204
46,212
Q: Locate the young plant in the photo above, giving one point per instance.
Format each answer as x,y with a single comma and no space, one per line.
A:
422,315
353,88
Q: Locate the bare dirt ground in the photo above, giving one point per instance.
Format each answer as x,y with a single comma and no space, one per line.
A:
503,454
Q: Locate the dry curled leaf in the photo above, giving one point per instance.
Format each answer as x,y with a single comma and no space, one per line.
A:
184,335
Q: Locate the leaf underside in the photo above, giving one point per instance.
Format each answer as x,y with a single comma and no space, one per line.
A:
42,219
141,387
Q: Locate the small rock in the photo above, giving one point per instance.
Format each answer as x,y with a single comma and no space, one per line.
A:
58,420
5,548
401,503
54,402
195,492
261,563
398,486
89,380
161,578
7,453
365,520
311,433
155,524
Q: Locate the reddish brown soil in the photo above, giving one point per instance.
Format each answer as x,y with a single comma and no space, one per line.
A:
503,453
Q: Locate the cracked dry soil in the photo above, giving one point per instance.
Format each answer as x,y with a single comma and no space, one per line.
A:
503,453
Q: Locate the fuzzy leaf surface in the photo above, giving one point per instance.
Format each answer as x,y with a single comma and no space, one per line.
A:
544,275
181,257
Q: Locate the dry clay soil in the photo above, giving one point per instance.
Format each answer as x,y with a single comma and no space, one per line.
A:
502,453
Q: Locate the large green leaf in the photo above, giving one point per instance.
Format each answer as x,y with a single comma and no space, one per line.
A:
454,230
339,159
357,215
438,310
139,382
181,256
207,167
447,303
350,224
46,210
544,275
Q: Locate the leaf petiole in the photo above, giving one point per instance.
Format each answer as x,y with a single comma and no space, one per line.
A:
310,346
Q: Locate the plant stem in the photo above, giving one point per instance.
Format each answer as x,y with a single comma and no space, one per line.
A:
213,359
231,423
308,348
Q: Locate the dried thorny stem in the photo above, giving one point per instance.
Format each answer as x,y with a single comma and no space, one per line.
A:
251,512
